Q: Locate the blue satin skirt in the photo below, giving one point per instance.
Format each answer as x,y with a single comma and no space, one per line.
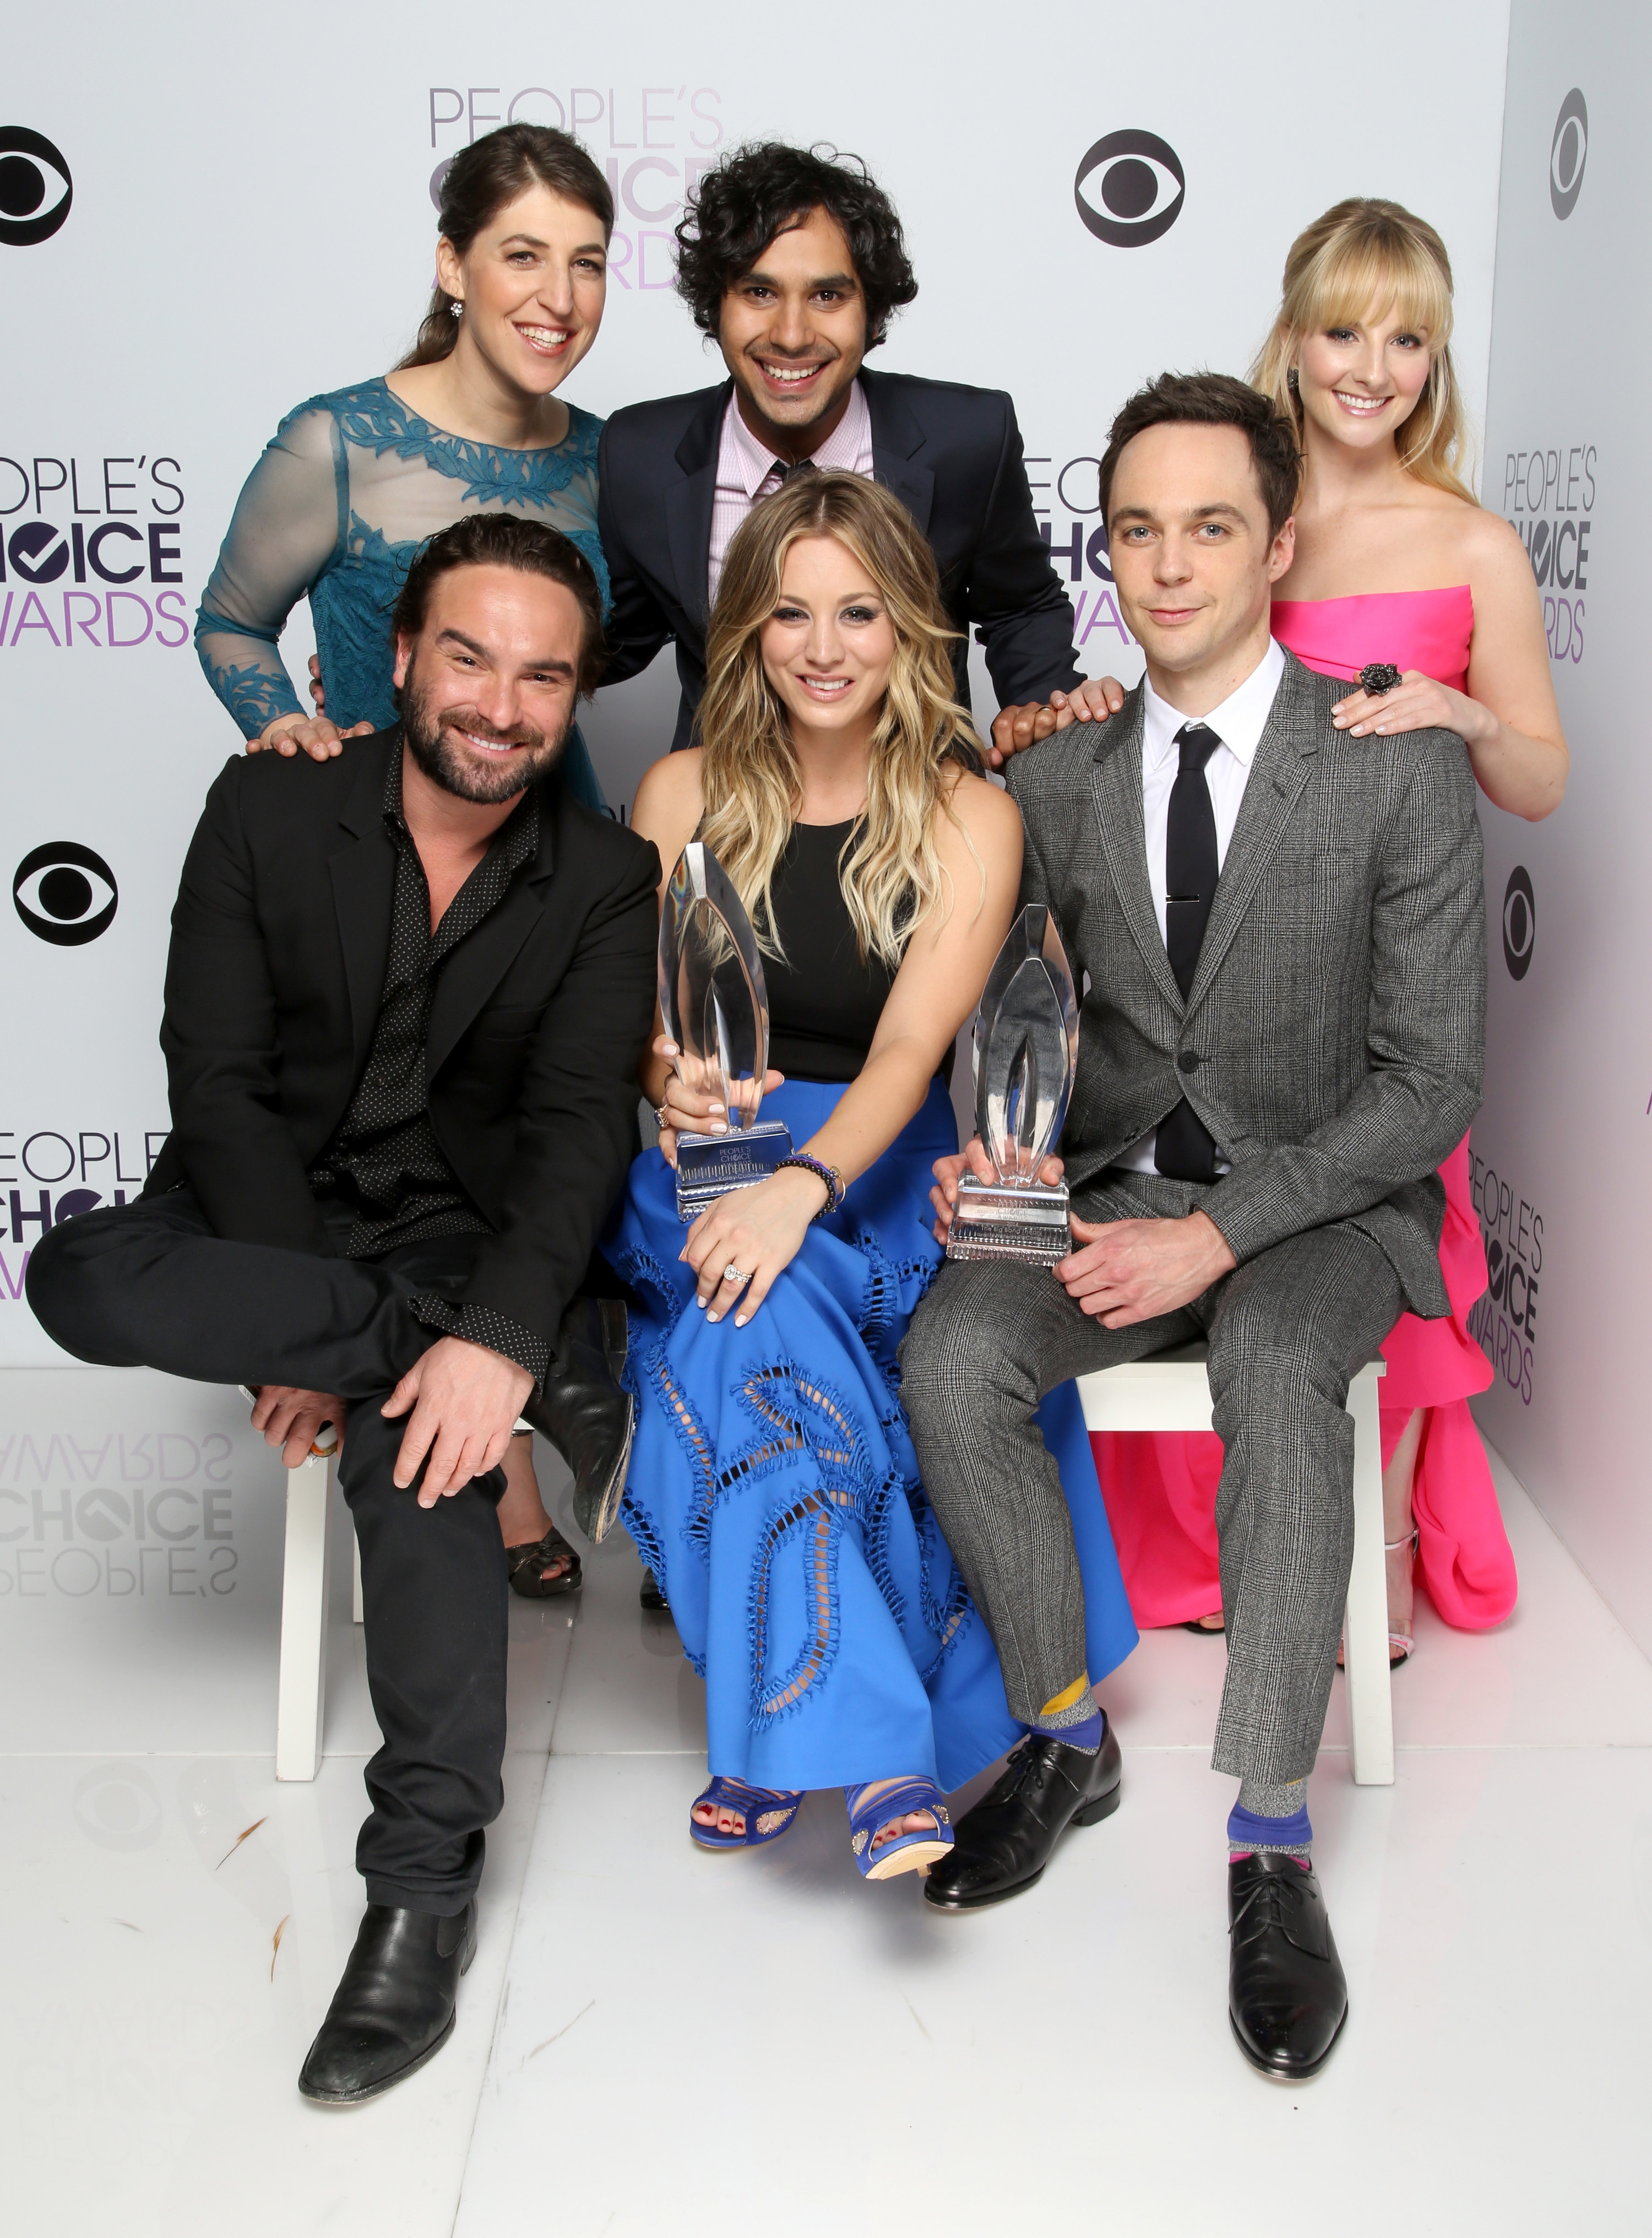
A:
774,1490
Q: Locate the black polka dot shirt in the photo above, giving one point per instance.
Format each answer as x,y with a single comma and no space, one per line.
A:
384,1161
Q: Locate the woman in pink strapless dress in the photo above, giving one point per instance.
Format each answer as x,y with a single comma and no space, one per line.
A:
1359,355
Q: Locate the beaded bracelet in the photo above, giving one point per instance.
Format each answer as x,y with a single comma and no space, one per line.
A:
836,1191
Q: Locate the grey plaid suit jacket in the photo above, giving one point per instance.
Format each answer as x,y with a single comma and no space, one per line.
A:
1333,1038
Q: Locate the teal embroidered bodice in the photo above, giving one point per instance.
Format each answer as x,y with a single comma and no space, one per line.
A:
348,488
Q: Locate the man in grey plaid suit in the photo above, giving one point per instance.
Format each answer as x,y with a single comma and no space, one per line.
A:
1284,932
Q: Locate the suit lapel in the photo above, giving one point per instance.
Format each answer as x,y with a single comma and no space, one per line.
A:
363,870
689,503
482,958
896,435
1282,766
1115,786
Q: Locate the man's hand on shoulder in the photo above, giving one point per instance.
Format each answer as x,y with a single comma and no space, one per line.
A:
464,1400
1014,728
1133,1270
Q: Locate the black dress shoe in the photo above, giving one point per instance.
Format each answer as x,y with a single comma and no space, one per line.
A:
1287,1995
650,1596
393,2008
1003,1843
585,1413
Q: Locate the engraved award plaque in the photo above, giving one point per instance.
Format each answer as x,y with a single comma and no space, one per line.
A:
1026,1055
716,1008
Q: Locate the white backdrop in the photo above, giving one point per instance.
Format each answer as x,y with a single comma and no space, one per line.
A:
251,222
1560,1145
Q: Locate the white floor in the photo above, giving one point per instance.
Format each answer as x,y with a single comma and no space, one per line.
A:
654,2040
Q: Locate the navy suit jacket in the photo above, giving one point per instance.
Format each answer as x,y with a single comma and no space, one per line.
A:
952,455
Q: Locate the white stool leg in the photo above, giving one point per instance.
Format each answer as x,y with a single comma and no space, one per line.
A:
357,1614
301,1688
1371,1710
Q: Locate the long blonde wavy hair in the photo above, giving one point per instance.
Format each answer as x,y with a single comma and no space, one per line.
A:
891,877
1362,251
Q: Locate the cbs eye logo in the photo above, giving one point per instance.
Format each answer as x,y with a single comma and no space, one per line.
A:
1568,153
64,893
1519,922
1139,187
36,188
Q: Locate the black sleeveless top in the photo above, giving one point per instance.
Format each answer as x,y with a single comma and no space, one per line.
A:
824,1003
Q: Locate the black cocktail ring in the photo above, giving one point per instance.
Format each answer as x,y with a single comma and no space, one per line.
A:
1377,677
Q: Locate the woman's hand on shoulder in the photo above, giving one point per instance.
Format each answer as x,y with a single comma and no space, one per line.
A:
313,734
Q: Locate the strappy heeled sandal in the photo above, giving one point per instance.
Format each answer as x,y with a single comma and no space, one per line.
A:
526,1566
902,1853
1400,1644
768,1812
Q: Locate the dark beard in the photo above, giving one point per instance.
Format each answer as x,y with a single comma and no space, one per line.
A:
446,763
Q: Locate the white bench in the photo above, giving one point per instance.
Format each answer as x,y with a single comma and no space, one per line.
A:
1172,1393
301,1685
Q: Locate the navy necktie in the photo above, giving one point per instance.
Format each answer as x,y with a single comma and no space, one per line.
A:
1183,1147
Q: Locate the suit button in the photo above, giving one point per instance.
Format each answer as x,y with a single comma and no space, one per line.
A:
1188,1060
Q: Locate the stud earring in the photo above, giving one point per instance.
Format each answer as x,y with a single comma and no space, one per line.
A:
458,309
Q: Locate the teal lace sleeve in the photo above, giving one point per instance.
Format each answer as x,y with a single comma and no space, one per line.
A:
288,529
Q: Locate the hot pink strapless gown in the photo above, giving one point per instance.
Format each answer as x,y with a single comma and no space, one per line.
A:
1161,1491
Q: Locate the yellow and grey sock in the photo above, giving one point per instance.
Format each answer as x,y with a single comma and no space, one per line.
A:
1072,1718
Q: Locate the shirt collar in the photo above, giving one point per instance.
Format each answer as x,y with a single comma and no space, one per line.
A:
1238,722
752,461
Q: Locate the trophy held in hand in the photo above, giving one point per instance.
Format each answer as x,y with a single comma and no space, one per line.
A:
1026,1057
716,1008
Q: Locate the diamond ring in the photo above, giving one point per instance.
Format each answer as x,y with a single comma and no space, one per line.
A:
731,1272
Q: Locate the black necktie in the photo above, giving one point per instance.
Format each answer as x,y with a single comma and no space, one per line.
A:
791,473
1183,1149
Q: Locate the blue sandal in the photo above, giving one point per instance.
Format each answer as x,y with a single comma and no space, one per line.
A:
768,1812
906,1853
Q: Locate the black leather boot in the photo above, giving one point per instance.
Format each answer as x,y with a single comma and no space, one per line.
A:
1287,1995
393,2007
1003,1843
585,1413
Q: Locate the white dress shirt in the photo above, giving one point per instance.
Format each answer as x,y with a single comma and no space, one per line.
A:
1239,723
748,470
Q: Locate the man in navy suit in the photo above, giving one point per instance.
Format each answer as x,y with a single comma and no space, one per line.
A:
796,263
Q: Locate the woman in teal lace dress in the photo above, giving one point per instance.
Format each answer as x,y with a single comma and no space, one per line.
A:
353,482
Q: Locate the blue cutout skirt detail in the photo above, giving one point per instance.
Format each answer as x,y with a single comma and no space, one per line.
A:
774,1490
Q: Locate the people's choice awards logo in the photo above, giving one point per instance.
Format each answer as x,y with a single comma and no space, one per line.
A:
1568,153
36,190
64,893
1519,922
1137,187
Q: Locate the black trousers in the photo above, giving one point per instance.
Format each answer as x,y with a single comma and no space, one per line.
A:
150,1285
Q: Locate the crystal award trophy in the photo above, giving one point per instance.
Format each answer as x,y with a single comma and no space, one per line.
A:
716,1008
1026,1055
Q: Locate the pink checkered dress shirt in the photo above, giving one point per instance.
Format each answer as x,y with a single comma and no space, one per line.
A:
748,470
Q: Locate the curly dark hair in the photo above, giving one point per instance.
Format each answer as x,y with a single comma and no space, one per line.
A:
1214,399
498,540
762,189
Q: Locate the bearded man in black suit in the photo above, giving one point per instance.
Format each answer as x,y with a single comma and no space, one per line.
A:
406,993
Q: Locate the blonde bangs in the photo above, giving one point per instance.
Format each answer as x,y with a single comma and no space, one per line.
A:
1367,259
1398,277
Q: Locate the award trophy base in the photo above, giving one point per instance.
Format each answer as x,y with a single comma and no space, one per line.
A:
708,1166
1010,1219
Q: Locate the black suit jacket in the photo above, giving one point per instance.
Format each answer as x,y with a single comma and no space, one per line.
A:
280,938
952,455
